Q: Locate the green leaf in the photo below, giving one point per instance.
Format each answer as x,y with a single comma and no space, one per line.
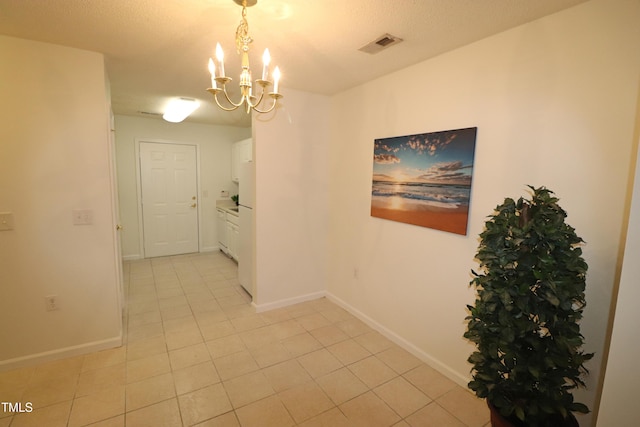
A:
519,413
534,370
579,407
554,300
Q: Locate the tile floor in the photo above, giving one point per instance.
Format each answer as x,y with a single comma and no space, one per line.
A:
197,354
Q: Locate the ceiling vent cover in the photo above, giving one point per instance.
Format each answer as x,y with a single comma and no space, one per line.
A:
381,43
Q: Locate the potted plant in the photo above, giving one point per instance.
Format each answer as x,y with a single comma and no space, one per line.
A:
530,298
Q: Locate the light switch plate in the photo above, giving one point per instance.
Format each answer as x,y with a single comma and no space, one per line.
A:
6,221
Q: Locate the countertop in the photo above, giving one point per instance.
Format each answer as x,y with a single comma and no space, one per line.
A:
228,206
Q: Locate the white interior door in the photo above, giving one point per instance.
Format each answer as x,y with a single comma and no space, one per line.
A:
168,175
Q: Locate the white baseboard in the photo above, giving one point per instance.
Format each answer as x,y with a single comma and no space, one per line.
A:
287,302
439,366
135,257
48,356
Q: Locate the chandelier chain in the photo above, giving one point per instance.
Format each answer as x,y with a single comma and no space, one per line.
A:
242,33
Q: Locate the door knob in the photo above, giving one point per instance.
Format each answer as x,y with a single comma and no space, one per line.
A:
119,227
193,198
193,205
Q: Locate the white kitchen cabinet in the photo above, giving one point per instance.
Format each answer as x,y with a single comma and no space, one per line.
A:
221,228
241,151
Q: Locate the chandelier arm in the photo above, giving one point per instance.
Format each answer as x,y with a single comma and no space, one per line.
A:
255,104
273,105
234,108
224,91
215,92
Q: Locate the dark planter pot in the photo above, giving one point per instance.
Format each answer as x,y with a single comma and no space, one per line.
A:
498,420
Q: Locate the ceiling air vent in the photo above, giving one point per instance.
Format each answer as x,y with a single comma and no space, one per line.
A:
381,43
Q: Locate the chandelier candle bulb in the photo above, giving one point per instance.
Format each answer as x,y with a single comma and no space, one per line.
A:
220,58
266,59
212,70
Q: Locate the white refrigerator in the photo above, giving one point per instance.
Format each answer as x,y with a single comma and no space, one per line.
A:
246,193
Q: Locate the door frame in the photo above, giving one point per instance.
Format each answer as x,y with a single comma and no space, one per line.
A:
138,141
115,215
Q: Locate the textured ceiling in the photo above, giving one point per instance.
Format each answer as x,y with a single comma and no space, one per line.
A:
158,49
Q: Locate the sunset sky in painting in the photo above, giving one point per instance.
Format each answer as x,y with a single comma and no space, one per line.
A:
436,158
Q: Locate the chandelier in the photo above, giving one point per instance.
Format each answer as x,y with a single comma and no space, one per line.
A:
248,99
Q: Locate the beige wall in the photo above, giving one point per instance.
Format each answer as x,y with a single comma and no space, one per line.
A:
54,158
214,149
292,203
554,102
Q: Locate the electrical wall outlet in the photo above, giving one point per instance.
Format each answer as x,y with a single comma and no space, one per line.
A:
6,221
51,302
82,217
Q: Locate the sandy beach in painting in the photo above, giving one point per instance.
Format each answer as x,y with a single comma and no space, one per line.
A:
442,207
453,220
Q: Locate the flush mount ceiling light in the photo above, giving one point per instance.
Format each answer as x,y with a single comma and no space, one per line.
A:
179,109
219,80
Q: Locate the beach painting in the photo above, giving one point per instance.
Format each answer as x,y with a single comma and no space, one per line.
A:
424,179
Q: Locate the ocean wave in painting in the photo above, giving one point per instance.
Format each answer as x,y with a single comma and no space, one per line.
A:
436,195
